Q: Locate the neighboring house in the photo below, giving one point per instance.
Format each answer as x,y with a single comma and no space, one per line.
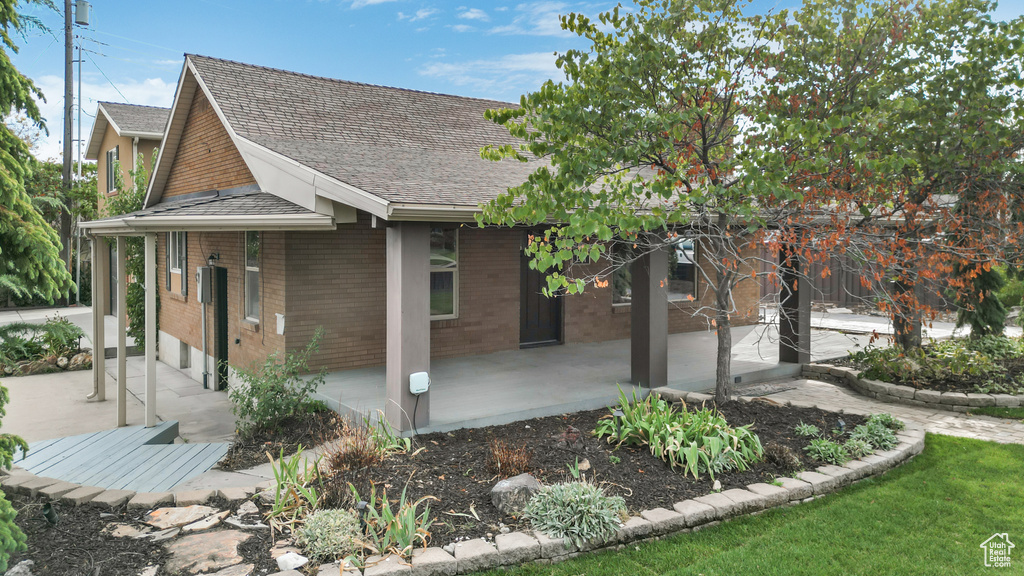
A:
120,134
315,202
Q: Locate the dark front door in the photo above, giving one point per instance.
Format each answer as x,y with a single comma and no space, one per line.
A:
540,317
220,327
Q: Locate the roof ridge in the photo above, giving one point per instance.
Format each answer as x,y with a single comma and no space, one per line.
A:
349,82
134,105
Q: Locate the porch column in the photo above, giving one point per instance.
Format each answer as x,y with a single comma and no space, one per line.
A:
100,295
795,312
649,318
151,288
122,329
408,322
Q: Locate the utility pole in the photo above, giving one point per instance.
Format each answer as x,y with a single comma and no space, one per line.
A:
69,95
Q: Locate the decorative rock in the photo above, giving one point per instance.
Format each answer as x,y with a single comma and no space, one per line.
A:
122,530
516,547
291,561
287,573
378,566
695,513
205,552
717,486
112,498
162,518
247,507
476,555
235,494
237,523
332,569
282,547
510,495
449,548
23,568
437,562
62,362
798,489
150,571
150,500
55,491
81,495
773,495
205,523
664,521
80,361
157,537
584,465
35,367
191,497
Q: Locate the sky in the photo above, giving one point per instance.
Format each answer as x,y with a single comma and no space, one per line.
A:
133,50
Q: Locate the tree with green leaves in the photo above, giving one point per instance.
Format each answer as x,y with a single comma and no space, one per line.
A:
30,263
130,198
11,537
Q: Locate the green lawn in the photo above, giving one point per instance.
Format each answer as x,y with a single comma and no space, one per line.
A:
1000,412
927,517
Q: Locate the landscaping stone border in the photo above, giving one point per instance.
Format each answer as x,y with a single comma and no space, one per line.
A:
899,394
519,547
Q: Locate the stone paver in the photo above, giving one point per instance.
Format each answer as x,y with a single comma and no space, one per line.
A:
205,552
81,495
112,498
150,500
834,397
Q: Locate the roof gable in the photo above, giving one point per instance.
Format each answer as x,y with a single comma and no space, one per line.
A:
127,120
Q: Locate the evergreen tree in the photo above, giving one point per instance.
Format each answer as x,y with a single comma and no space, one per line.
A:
980,307
30,263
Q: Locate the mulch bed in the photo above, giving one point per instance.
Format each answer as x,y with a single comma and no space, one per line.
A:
307,430
1014,369
453,467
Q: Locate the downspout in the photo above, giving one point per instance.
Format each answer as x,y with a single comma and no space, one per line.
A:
135,152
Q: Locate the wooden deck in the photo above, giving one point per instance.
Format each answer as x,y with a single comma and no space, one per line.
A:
131,458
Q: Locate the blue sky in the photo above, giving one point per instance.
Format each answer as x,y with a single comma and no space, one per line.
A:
134,48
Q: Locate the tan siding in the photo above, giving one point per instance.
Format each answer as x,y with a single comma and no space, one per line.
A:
206,158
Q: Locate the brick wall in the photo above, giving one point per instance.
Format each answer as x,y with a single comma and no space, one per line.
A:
206,158
180,316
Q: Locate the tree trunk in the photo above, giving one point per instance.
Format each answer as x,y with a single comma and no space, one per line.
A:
723,360
906,320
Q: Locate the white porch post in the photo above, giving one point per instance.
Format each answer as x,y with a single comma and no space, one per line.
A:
408,322
100,296
151,288
122,328
649,320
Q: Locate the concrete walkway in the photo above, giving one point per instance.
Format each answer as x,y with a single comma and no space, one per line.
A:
834,397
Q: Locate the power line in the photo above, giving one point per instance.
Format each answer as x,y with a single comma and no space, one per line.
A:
104,74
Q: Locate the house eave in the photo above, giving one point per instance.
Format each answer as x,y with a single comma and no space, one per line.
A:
432,213
135,225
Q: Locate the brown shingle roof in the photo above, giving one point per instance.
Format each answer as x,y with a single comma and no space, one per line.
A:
401,145
252,203
132,118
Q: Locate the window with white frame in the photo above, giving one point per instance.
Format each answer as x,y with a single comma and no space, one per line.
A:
112,158
444,273
252,276
176,254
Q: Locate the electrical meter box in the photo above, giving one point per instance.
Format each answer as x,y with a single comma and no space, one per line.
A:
204,284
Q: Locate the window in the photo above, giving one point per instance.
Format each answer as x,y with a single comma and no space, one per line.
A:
112,158
176,248
444,273
682,274
252,276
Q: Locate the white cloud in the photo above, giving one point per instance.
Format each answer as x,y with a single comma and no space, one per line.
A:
503,78
536,19
474,14
148,92
419,15
460,27
362,3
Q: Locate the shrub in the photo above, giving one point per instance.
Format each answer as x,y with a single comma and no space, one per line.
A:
507,460
577,511
807,430
858,448
396,532
942,360
275,391
12,539
828,451
781,455
887,420
23,341
60,336
876,434
329,535
352,449
699,441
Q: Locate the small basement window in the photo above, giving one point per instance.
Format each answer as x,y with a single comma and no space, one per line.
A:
444,273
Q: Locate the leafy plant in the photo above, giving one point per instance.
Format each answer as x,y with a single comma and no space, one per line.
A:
398,531
353,448
807,430
507,460
698,441
60,336
577,511
858,448
781,455
876,434
12,539
829,451
329,535
295,496
887,420
613,459
275,391
384,436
